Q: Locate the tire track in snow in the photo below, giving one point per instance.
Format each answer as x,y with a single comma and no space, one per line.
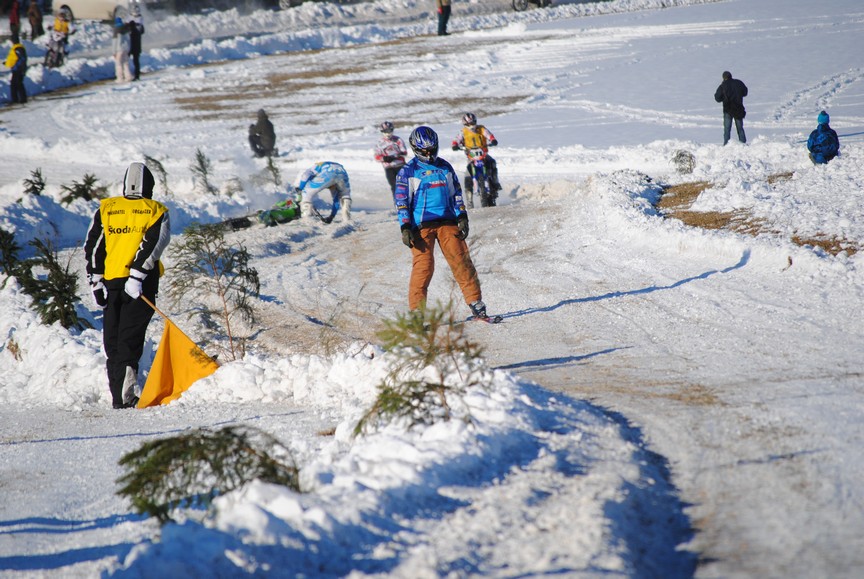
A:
820,96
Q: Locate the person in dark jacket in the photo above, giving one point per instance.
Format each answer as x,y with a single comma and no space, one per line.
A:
443,8
136,30
34,15
124,243
823,143
16,60
14,19
262,137
731,93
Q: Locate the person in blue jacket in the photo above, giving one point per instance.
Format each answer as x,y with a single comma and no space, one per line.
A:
16,60
823,143
430,210
324,175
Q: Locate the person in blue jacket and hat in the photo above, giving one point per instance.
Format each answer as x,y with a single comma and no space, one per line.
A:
823,143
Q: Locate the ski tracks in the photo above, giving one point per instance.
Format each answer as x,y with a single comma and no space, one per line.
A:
820,96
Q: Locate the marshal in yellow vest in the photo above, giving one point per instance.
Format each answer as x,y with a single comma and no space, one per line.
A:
125,221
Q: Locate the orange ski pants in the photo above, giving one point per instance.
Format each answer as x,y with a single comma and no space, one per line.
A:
456,253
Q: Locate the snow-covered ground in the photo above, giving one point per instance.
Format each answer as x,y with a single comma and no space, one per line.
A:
664,401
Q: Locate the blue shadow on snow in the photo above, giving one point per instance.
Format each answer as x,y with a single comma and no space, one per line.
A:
647,525
48,561
745,258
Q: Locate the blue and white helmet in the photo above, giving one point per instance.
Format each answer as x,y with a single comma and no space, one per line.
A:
424,143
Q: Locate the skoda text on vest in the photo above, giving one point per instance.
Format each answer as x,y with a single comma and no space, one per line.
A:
126,229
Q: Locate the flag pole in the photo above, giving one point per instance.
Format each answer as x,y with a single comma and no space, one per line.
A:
167,319
155,309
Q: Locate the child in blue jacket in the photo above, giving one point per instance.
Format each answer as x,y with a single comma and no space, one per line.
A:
823,143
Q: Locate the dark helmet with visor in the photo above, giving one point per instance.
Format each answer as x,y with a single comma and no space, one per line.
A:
424,143
469,119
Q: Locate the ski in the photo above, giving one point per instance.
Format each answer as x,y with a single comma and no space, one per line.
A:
487,319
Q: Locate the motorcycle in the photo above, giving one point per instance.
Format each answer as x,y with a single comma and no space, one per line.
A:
477,179
521,5
55,56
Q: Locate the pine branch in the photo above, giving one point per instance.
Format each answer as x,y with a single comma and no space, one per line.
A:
193,468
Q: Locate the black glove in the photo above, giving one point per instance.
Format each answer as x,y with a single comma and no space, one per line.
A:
328,219
462,224
493,142
100,294
408,236
389,158
455,147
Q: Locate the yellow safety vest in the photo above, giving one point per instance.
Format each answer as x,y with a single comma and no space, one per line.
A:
124,223
12,57
474,140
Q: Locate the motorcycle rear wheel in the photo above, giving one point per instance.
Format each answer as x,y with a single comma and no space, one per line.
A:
53,59
520,5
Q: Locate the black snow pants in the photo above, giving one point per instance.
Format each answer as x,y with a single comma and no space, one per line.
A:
124,329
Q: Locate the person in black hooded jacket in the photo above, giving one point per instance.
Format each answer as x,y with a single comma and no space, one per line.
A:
124,243
262,137
136,30
731,93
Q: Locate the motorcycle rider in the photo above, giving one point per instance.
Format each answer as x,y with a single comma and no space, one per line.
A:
390,151
324,175
475,136
59,40
430,210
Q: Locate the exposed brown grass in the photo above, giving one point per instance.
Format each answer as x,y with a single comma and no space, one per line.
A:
685,393
830,245
323,77
676,200
780,177
680,196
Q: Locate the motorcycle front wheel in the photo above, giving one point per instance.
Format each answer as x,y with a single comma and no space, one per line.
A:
483,192
520,5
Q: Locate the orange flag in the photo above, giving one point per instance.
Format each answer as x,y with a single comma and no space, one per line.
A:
178,364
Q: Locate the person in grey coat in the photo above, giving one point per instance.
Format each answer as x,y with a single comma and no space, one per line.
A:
731,93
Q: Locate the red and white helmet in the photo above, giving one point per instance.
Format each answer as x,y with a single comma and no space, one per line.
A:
386,127
469,119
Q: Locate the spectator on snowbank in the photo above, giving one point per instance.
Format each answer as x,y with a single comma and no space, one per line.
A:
731,93
823,143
